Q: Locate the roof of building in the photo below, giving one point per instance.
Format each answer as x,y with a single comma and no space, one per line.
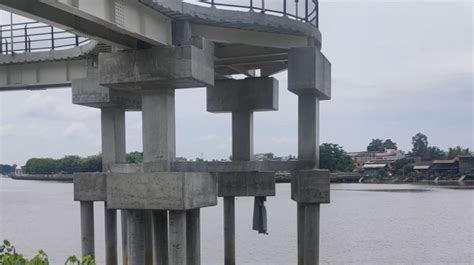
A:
374,166
421,167
444,161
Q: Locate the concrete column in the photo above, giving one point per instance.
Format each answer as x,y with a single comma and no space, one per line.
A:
177,238
311,236
300,233
193,236
308,149
160,234
124,237
229,231
159,143
148,238
242,135
113,151
87,228
136,237
158,116
110,236
308,128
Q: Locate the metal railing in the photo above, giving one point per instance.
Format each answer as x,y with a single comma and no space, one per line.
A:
34,37
302,10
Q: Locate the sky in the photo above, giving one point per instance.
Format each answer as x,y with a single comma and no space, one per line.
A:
398,68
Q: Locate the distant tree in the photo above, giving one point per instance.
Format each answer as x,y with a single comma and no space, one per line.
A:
69,164
181,159
403,166
40,166
91,164
389,144
436,153
420,144
198,159
457,151
334,158
377,145
7,169
135,157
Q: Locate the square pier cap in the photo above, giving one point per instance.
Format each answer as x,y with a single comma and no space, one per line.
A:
159,67
310,186
161,191
88,92
246,184
90,186
250,94
309,72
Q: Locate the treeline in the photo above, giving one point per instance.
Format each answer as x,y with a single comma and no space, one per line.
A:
65,165
7,169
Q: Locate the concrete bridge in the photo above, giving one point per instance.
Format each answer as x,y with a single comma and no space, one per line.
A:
133,55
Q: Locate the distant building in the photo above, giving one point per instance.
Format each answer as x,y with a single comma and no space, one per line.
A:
362,158
444,167
390,155
466,164
18,171
376,168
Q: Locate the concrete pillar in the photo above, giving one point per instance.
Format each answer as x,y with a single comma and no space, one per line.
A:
160,234
136,236
148,238
159,143
300,233
113,151
110,236
124,237
311,236
229,230
177,238
193,236
87,228
242,135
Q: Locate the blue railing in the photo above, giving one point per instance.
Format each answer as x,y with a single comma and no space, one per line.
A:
301,10
34,37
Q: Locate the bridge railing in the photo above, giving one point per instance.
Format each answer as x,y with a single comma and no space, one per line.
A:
301,10
36,36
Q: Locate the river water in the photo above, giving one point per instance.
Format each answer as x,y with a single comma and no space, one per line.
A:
364,224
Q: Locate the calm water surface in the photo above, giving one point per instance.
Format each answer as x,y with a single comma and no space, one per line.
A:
364,224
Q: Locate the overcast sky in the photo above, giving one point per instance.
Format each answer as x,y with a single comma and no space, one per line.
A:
398,68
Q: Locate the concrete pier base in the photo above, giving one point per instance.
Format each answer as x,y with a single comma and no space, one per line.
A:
177,238
229,230
148,238
136,236
160,237
110,235
123,214
193,236
87,228
311,234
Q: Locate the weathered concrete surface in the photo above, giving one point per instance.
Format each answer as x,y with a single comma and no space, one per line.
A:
310,186
250,94
113,136
90,186
136,236
110,222
229,231
240,184
235,166
311,234
193,236
87,228
161,191
242,136
88,92
177,251
160,237
309,73
160,67
308,128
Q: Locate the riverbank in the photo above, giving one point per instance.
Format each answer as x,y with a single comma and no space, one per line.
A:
54,177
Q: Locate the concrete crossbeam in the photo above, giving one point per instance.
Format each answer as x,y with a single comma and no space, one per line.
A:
88,92
309,73
90,186
246,184
250,94
159,67
161,191
310,186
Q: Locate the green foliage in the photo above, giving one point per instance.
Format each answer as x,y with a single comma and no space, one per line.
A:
67,164
457,151
403,166
380,145
135,157
41,166
9,256
334,158
376,146
91,164
420,144
7,169
435,153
